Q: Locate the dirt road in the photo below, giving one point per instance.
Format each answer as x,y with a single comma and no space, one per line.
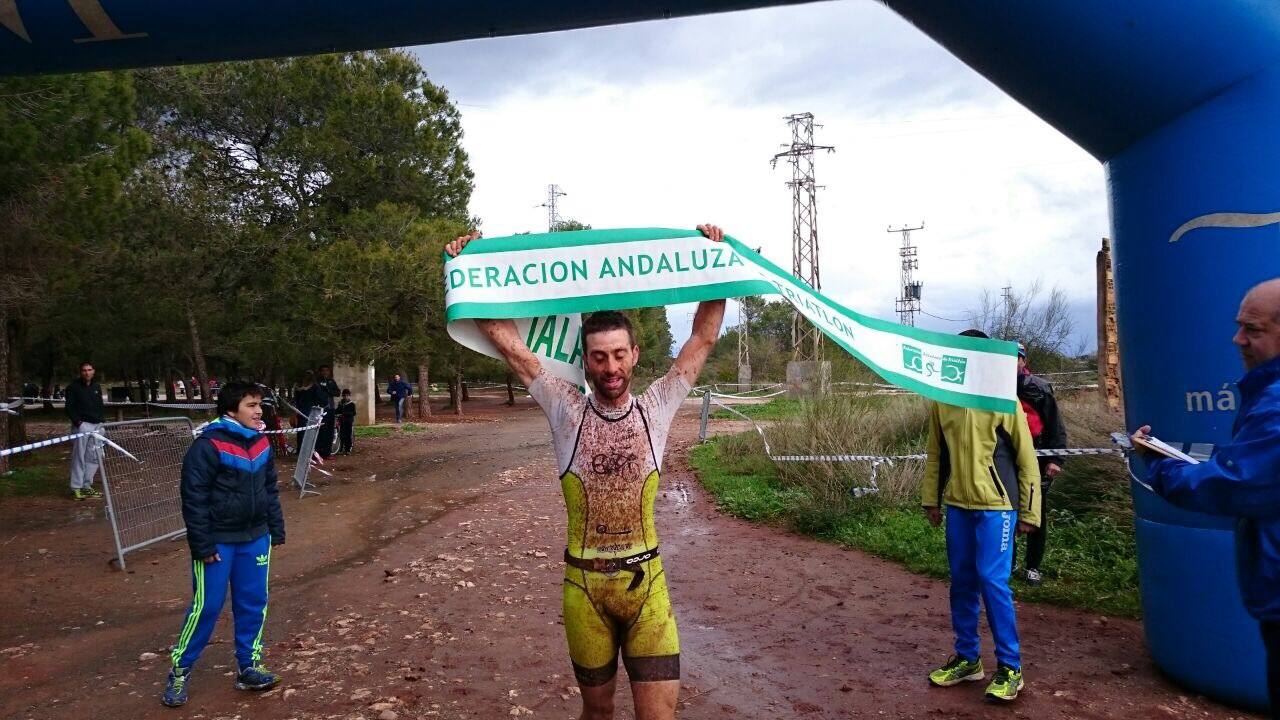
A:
425,582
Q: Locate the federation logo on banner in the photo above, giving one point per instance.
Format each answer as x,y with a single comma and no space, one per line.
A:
947,368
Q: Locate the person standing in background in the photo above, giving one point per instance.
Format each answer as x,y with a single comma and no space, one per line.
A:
84,407
400,392
346,423
304,399
326,394
1047,431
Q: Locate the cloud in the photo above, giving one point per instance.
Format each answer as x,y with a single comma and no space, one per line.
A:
845,52
673,123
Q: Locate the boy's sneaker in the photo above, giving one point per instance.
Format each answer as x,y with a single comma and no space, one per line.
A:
79,494
1034,577
956,671
256,677
92,492
175,691
1005,685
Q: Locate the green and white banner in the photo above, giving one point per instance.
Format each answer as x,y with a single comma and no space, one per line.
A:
546,281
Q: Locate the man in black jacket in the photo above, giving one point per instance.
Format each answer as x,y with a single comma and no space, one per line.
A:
1036,395
326,394
346,423
232,510
84,407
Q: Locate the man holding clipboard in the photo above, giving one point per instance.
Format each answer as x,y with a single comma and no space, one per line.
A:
1242,477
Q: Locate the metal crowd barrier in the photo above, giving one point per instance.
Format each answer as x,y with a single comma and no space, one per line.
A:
144,504
305,450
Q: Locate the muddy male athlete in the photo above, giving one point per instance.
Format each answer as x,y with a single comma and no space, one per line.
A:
609,448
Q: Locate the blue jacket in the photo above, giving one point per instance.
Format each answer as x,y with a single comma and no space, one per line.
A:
1241,479
229,492
399,390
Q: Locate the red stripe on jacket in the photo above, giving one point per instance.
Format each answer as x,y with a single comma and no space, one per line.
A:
260,446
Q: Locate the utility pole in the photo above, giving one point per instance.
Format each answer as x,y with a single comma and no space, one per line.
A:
553,212
806,341
908,303
1006,294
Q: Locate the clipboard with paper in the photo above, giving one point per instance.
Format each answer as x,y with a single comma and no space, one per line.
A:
1157,445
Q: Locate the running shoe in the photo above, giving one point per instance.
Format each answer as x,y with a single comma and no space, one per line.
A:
256,677
1034,577
79,494
175,691
92,492
1005,685
956,671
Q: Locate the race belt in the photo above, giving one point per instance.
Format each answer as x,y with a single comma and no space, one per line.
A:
631,564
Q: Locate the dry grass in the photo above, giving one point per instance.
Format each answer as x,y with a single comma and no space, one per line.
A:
1091,559
896,425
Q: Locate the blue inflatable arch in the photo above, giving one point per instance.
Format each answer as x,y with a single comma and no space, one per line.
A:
1178,100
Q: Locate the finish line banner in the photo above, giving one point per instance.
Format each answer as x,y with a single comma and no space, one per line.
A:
544,282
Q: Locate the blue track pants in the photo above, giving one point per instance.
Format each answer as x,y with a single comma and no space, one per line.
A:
980,550
245,567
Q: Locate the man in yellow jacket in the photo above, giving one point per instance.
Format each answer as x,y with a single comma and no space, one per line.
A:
982,467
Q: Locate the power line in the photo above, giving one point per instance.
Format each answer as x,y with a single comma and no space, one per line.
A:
939,317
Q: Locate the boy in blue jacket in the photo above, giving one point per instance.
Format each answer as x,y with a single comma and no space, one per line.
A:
232,510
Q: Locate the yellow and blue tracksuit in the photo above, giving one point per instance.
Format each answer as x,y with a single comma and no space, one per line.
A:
982,466
232,509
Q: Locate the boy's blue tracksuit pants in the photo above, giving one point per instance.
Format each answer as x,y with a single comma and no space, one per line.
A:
245,566
980,552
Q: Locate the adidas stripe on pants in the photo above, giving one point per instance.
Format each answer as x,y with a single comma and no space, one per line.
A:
245,567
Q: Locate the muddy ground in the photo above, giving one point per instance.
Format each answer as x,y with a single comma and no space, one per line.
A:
425,582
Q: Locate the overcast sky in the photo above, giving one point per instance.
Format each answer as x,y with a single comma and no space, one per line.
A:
673,123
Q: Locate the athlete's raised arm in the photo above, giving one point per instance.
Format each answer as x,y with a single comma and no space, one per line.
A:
706,326
502,333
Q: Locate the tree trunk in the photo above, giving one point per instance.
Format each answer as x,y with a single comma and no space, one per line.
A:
15,431
456,392
511,392
46,382
424,388
202,371
4,384
465,395
170,388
